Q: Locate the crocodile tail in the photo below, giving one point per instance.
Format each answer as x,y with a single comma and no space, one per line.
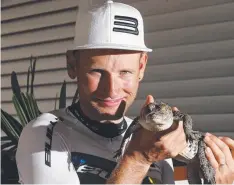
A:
207,170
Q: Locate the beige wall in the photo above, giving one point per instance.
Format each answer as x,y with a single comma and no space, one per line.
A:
192,66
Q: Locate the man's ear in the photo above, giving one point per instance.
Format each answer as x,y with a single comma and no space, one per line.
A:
142,66
71,64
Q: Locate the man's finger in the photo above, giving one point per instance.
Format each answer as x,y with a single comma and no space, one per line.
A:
175,109
224,148
218,153
228,141
149,99
211,158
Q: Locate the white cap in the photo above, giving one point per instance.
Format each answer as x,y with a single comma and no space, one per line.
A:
111,26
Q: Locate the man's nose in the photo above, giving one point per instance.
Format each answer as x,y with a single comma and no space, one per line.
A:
111,86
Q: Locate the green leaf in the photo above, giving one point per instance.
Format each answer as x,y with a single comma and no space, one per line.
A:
10,126
27,106
55,103
6,145
5,138
17,93
62,98
15,84
7,131
13,149
20,111
38,112
75,96
13,122
30,71
32,107
28,76
33,74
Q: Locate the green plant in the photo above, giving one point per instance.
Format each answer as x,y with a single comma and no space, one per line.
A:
25,106
27,109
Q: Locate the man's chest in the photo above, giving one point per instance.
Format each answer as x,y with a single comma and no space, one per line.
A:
91,168
93,160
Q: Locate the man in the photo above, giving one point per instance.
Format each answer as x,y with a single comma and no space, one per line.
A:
77,144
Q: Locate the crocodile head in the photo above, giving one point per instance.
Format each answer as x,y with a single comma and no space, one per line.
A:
156,116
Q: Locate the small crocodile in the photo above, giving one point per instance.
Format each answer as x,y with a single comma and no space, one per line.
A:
159,116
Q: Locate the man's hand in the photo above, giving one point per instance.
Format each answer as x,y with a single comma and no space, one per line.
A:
219,154
145,148
148,147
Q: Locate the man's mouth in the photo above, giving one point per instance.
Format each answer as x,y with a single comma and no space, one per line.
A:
110,102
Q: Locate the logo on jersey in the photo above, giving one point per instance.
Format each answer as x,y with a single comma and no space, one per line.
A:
126,24
90,168
93,170
48,145
85,168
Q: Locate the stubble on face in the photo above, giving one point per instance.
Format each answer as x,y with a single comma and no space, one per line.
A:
108,82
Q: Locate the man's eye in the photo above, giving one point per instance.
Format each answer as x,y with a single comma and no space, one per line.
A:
96,71
125,72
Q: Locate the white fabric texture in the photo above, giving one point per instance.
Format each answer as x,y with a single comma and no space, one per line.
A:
78,155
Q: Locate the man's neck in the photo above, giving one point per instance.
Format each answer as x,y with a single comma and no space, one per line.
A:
104,129
112,121
85,113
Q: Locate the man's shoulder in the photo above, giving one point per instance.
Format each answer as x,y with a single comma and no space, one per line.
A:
43,119
46,120
38,126
41,129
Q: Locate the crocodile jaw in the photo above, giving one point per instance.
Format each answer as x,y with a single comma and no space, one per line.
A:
157,124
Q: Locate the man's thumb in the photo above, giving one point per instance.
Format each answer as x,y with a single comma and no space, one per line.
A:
149,99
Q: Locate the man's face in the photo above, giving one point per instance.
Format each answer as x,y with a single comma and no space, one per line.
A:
108,81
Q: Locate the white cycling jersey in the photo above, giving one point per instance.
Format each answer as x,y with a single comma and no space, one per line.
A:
57,148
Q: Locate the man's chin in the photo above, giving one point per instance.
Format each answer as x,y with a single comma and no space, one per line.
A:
116,111
110,113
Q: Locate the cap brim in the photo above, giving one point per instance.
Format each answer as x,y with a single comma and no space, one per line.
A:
112,46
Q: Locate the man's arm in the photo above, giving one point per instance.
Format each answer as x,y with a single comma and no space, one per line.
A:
128,171
135,163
